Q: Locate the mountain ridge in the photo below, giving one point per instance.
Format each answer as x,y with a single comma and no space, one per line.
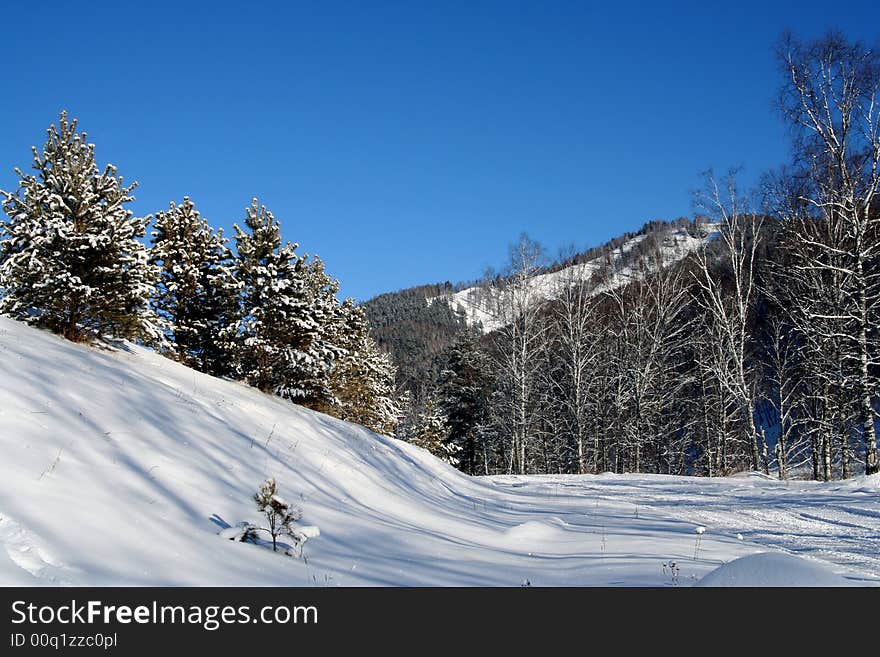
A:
415,325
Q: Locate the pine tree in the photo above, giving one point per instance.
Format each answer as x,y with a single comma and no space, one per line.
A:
278,334
71,260
363,378
383,409
431,432
327,345
197,295
465,388
279,514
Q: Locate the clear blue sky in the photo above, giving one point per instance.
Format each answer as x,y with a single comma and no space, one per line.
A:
410,142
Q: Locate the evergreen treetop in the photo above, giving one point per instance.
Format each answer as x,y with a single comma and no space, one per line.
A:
197,294
71,259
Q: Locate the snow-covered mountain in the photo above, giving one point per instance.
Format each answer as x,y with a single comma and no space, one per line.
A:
120,467
480,304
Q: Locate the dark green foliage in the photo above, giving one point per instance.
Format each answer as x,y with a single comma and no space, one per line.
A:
465,388
414,331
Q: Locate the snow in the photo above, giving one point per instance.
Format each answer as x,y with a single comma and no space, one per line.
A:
537,532
308,531
235,533
120,467
773,569
480,304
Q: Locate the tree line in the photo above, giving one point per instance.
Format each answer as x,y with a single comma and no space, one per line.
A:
73,260
758,351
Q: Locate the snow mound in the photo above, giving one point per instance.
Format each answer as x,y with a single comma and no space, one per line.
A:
538,531
773,569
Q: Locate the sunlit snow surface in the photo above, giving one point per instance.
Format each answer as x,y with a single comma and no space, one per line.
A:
120,467
773,569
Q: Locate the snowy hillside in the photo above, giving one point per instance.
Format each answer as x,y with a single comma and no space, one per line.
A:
120,467
480,304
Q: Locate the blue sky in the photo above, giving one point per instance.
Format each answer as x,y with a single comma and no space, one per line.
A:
411,142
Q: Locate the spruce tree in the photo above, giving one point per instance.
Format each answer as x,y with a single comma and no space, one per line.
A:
70,258
197,295
278,333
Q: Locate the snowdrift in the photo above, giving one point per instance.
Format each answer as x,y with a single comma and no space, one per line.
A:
773,569
120,467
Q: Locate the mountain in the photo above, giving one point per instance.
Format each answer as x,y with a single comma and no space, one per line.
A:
120,467
416,325
480,304
414,330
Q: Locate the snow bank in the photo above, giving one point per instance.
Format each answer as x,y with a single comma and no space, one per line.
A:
538,531
773,569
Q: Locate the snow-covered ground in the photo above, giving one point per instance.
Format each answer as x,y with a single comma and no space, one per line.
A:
480,304
772,569
120,467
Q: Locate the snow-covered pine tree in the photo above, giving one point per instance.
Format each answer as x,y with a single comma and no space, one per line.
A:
197,294
70,258
280,515
465,387
362,380
328,344
431,432
378,375
278,333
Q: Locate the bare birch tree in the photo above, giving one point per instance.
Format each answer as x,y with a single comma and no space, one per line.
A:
518,344
830,98
575,351
729,311
646,321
